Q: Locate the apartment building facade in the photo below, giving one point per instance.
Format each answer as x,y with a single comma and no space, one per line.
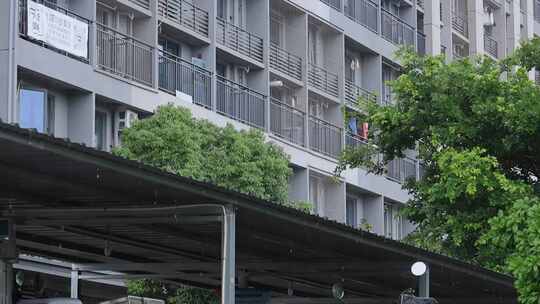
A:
85,69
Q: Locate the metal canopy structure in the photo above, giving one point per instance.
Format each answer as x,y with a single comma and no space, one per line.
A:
101,212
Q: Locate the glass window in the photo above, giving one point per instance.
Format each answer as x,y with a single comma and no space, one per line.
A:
352,214
276,29
221,9
100,128
32,109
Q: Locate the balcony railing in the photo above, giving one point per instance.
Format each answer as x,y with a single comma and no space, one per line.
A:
323,80
460,24
420,43
287,122
285,62
336,4
490,45
176,74
239,40
240,103
537,10
537,77
354,92
324,137
364,12
420,4
142,3
396,30
402,169
23,26
185,14
353,141
124,55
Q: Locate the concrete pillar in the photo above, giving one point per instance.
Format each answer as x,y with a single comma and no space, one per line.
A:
6,282
476,27
432,27
8,66
228,257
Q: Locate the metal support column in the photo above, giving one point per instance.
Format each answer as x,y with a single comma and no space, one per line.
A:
228,257
6,282
423,284
74,282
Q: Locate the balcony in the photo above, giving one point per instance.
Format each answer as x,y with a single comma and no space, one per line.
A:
240,103
142,3
364,12
396,30
537,10
23,28
323,80
184,14
490,45
336,4
402,169
287,122
460,24
420,43
124,55
285,62
176,74
353,93
420,4
353,141
324,137
239,40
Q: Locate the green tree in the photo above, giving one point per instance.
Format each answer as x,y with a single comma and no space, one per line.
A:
239,160
476,126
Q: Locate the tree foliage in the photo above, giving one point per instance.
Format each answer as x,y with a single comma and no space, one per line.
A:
476,126
240,160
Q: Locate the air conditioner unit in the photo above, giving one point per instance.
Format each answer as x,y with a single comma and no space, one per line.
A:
123,119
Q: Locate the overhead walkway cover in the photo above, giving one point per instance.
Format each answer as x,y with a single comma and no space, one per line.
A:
87,207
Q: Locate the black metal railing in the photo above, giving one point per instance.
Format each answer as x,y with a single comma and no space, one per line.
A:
176,74
490,45
336,4
142,3
185,14
323,80
364,12
240,103
23,27
285,62
324,137
460,24
396,30
287,122
402,169
124,55
239,40
353,93
420,43
353,141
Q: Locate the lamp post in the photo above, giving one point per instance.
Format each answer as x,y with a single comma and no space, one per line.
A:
421,271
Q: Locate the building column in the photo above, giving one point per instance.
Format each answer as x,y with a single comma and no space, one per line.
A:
228,256
476,26
432,26
74,282
8,35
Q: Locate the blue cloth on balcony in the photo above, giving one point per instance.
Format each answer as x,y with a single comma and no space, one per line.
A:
353,126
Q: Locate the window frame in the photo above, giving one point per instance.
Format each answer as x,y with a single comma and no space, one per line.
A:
48,122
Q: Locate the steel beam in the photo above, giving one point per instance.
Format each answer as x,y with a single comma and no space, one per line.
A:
6,282
423,284
228,256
